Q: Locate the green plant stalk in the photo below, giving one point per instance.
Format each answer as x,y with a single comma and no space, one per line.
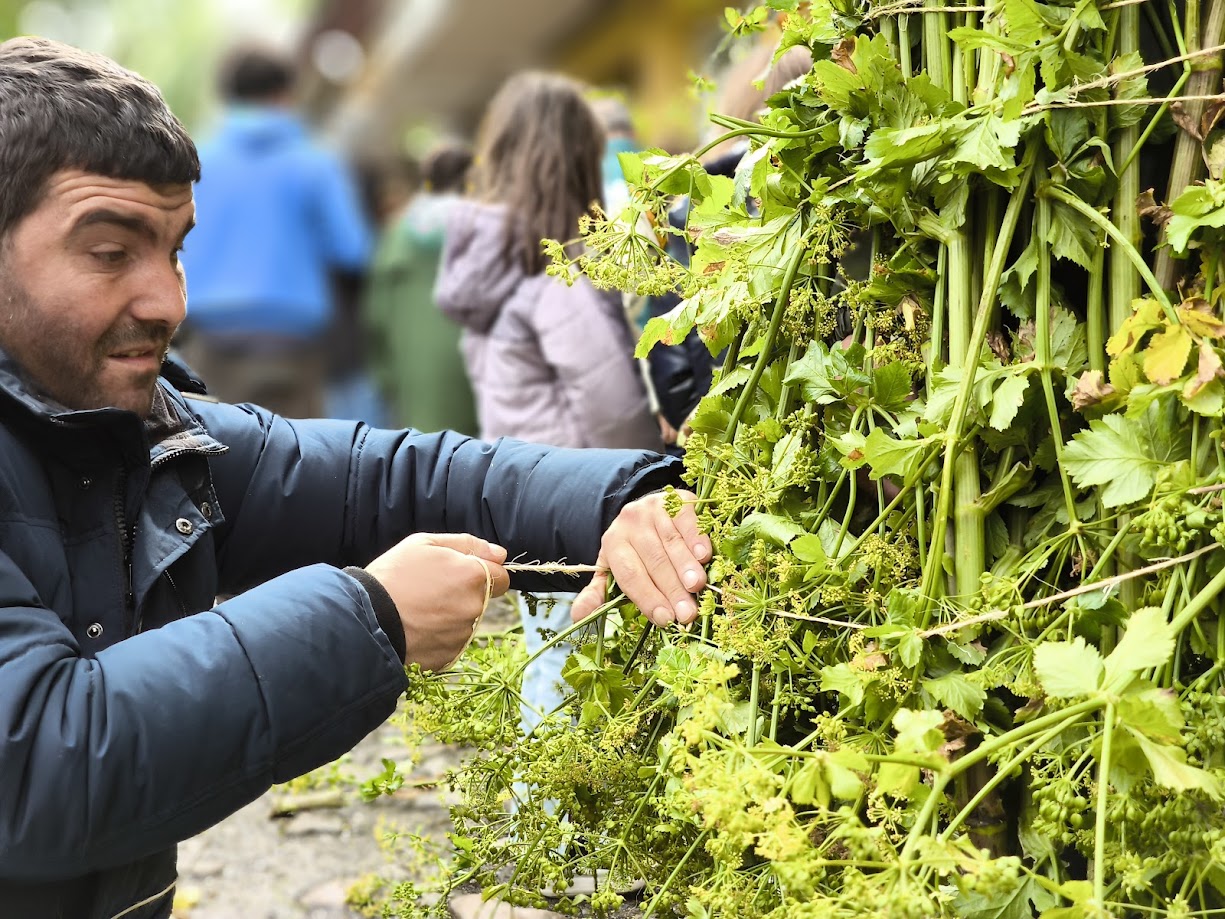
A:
1132,254
1103,785
1095,314
936,58
1208,593
1042,348
1205,79
650,908
1064,717
754,704
952,436
1001,775
1124,282
767,346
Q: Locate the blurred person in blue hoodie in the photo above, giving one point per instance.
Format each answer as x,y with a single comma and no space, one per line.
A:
281,228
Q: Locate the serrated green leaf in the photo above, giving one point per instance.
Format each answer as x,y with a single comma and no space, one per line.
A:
1148,641
1170,768
1073,236
1007,400
955,691
988,144
1124,454
891,385
1068,669
1017,901
887,455
1151,711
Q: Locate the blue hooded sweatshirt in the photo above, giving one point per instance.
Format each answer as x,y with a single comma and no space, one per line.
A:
276,214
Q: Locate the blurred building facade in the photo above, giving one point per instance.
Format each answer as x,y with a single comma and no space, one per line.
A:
437,62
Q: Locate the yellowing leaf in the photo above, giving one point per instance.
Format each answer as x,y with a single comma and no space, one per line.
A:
1165,358
1169,765
1147,316
1197,315
1068,669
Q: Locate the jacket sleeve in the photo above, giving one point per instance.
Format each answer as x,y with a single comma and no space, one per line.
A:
298,492
164,734
587,344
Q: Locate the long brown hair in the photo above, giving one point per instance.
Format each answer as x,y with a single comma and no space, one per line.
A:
538,152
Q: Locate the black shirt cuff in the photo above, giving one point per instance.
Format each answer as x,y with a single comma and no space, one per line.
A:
384,609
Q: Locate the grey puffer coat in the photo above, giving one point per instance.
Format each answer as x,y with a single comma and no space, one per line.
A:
548,363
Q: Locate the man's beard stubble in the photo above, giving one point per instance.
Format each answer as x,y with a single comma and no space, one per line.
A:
60,367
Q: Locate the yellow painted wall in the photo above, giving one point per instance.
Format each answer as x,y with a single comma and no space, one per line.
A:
648,47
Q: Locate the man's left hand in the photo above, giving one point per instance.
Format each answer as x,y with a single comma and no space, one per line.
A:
657,560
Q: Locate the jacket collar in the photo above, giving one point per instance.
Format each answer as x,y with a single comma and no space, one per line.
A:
170,429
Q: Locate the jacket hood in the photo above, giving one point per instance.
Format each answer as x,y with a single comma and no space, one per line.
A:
474,280
260,128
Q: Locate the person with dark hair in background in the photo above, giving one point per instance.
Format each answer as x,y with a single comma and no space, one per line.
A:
681,374
414,349
135,713
282,233
550,362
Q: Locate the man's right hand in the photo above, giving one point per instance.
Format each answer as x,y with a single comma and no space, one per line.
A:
438,582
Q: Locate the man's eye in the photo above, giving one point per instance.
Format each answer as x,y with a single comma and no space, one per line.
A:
110,256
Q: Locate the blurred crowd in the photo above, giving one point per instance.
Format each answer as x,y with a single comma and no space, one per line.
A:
415,294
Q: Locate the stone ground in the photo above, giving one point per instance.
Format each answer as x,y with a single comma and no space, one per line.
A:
256,865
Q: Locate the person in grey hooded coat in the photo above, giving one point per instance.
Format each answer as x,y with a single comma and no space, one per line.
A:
549,362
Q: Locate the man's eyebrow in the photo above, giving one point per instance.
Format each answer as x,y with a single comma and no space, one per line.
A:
138,225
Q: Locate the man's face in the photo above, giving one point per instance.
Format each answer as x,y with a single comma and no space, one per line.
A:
91,290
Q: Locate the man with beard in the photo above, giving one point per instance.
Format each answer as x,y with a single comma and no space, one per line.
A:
133,712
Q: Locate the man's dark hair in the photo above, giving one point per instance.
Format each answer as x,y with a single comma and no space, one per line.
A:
252,73
63,108
445,168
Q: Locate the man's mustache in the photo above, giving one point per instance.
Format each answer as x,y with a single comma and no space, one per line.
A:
138,336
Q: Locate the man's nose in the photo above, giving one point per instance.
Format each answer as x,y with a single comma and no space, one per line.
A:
162,295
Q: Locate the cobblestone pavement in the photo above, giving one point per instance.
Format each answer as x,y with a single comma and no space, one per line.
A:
256,866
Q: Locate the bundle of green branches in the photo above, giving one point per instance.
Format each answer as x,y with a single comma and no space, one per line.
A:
963,653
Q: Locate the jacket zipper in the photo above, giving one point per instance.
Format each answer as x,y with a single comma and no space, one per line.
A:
178,599
127,536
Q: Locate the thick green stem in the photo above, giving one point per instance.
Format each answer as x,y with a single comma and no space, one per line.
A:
1205,79
952,436
1042,349
1129,250
1103,785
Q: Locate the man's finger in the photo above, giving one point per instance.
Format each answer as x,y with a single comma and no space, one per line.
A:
653,554
633,576
469,545
499,580
687,569
591,597
686,523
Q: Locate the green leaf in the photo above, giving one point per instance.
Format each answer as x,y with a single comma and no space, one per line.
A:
808,548
1007,400
1169,765
843,679
887,455
1017,901
891,385
1151,711
1130,87
1147,642
770,527
1068,669
955,691
1073,236
988,144
1124,454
